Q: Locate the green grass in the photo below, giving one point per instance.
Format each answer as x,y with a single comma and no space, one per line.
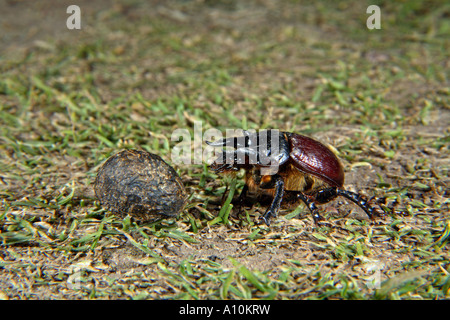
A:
380,97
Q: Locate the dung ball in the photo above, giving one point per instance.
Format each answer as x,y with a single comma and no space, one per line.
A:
140,184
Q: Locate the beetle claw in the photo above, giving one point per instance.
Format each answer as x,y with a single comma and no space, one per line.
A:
266,219
267,216
222,167
318,219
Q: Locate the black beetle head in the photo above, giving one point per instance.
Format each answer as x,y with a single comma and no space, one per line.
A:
267,148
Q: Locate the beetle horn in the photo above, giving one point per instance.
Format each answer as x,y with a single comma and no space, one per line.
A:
218,143
235,142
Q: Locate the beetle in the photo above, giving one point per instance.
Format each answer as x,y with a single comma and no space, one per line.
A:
286,165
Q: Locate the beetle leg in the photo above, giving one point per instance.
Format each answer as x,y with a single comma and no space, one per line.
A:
240,202
242,195
220,164
311,206
326,195
358,200
276,202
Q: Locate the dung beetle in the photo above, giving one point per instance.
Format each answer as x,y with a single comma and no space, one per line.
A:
286,166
